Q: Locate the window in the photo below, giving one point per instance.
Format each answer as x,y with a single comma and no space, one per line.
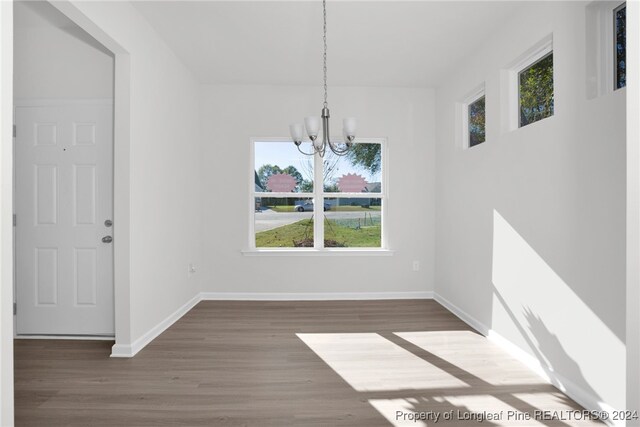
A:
527,87
606,47
535,91
476,118
620,48
304,202
470,118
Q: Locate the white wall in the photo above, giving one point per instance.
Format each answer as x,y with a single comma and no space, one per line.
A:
233,114
57,62
6,214
163,167
633,213
531,224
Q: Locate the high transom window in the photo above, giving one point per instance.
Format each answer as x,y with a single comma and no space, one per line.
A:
535,91
476,121
620,25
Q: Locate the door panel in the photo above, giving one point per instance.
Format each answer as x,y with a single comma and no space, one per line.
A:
47,276
84,194
46,194
64,194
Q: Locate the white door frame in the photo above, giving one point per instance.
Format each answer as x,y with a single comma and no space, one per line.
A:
57,102
6,213
121,167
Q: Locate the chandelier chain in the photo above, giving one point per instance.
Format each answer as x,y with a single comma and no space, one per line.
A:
312,124
324,10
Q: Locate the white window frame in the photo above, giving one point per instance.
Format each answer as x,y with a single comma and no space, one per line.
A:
600,47
318,197
512,72
614,51
478,93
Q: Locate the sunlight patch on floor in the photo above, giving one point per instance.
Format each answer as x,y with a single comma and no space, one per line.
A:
486,361
369,362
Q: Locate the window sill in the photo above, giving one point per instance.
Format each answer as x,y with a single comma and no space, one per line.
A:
317,252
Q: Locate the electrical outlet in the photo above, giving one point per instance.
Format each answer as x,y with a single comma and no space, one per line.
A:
191,269
416,265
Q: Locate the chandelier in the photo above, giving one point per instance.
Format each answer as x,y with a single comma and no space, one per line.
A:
312,124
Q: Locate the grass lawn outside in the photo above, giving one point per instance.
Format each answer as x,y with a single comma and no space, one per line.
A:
354,209
283,237
280,208
287,236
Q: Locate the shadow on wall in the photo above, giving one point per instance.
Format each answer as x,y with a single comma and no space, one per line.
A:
554,354
548,350
586,254
572,344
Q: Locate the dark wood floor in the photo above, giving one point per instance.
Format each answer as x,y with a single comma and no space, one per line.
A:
283,364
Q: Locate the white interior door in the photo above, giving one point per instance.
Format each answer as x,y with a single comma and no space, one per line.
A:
63,198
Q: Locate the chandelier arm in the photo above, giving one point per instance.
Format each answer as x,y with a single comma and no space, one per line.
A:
305,153
338,151
319,151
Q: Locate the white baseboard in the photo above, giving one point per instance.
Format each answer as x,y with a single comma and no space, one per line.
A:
130,350
461,314
568,387
578,394
66,337
518,353
321,296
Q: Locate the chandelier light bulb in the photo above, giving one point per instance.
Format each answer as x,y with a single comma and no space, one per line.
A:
312,123
349,125
297,132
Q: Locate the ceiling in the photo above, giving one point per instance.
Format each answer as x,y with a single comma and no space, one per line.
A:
41,15
370,43
38,14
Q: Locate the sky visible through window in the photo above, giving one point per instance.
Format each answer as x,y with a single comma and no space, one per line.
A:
285,154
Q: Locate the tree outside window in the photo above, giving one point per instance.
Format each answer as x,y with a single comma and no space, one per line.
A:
535,87
477,122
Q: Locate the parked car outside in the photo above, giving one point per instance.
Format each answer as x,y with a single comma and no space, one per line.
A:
308,206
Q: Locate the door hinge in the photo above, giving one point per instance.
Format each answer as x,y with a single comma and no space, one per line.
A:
15,131
15,308
15,220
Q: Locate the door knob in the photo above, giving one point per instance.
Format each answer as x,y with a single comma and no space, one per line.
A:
107,239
